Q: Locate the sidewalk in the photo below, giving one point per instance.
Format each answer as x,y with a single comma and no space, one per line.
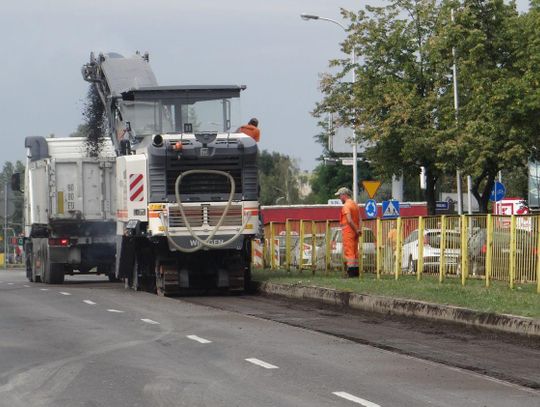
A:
411,308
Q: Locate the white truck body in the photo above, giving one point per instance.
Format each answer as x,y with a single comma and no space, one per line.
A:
69,185
69,207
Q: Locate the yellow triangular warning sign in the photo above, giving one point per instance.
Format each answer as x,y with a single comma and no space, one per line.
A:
371,187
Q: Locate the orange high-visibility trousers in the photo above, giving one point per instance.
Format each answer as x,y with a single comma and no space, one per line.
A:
350,247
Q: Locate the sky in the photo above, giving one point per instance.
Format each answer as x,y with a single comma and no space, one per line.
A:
263,44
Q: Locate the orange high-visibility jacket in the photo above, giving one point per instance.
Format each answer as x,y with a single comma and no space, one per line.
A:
350,237
251,131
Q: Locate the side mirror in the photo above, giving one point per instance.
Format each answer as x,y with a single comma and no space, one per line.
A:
16,182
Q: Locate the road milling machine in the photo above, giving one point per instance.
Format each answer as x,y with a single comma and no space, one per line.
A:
187,186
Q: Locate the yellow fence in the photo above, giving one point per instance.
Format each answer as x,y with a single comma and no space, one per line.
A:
488,247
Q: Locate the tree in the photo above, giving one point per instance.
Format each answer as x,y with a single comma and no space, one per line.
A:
278,176
16,220
497,55
397,104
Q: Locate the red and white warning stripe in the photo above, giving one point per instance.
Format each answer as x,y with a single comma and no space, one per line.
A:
257,253
136,187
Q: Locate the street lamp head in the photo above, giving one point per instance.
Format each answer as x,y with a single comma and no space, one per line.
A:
306,17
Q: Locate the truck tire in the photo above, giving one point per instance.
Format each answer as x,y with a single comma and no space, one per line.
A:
56,273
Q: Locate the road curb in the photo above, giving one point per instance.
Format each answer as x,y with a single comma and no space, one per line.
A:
397,306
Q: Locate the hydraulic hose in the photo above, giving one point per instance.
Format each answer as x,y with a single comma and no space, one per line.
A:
205,242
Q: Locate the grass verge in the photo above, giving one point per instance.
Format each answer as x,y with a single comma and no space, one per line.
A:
499,298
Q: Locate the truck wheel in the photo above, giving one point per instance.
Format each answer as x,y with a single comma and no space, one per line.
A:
132,281
29,274
56,273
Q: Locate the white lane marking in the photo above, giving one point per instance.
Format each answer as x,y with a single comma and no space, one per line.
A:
354,399
64,293
149,321
261,363
198,339
89,302
115,310
44,289
9,283
27,286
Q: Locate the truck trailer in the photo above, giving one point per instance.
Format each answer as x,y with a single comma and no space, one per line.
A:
69,209
187,181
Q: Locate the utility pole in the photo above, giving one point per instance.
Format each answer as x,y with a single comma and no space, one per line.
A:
5,223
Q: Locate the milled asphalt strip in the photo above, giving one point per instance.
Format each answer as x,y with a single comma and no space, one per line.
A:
354,399
149,321
89,302
261,363
198,339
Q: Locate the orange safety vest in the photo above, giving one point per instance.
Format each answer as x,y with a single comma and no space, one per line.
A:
350,238
251,131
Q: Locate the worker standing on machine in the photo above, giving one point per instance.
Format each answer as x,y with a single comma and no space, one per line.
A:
251,129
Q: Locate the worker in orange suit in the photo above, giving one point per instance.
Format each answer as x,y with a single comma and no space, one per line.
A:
251,129
351,230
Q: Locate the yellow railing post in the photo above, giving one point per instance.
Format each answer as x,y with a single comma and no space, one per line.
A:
420,262
464,249
300,258
538,254
378,248
313,246
288,245
361,253
442,245
512,268
272,247
328,254
397,251
489,248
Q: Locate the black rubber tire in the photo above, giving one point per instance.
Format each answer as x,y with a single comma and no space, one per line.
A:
56,273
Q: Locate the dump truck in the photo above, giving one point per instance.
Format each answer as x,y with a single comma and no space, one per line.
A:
187,181
69,209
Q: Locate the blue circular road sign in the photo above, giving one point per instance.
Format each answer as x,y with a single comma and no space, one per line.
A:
498,192
371,208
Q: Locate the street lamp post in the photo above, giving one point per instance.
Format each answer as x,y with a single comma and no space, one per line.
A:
353,59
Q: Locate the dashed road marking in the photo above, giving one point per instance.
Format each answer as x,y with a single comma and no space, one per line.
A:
89,302
354,399
64,293
9,283
198,339
27,286
116,310
149,321
44,289
261,363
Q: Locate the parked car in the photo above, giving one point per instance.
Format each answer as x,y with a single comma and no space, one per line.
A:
477,249
368,249
282,248
432,250
307,250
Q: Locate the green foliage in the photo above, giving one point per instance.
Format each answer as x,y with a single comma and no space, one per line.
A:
497,119
16,220
278,177
396,95
402,100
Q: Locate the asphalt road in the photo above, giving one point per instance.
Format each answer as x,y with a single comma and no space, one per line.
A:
91,343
